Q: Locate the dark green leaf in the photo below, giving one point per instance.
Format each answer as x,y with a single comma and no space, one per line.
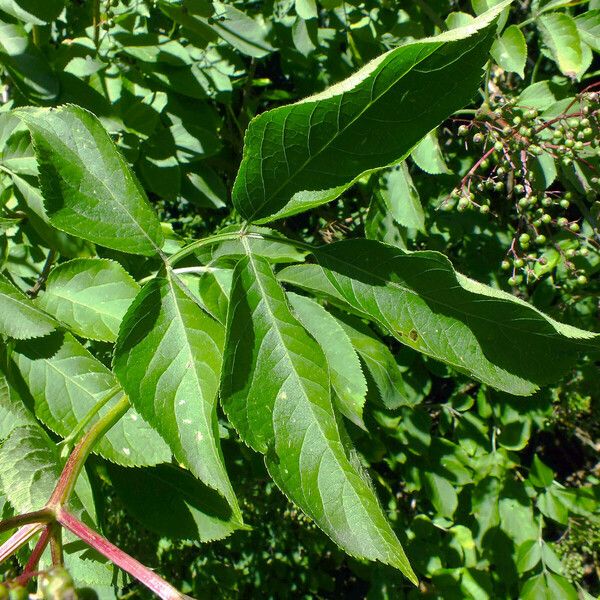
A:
300,156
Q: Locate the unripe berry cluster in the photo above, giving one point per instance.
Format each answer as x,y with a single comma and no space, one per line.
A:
522,153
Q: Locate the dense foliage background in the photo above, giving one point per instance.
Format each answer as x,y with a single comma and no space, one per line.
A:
493,496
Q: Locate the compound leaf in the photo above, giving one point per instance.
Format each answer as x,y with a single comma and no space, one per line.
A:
275,389
420,299
20,318
168,358
90,296
89,190
299,156
66,382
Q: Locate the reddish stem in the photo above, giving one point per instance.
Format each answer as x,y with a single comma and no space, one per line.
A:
30,569
18,539
149,578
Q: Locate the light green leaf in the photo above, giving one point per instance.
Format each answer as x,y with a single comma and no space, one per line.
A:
347,379
560,35
402,199
529,555
425,304
299,156
428,155
588,25
168,358
66,382
458,19
510,50
20,318
89,189
306,9
275,390
33,11
171,502
90,296
380,363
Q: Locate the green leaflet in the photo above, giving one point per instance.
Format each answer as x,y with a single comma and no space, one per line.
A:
168,359
510,50
195,511
89,190
19,317
275,389
347,379
381,366
559,32
90,296
299,156
402,198
425,304
66,382
428,156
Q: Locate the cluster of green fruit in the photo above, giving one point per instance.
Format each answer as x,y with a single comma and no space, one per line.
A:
522,153
109,14
54,584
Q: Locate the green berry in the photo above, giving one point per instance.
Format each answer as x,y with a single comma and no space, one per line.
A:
478,138
519,262
463,130
546,201
574,227
505,265
531,114
569,143
584,252
463,204
540,239
519,189
57,584
562,221
524,238
499,186
517,120
564,203
523,203
18,592
582,280
546,218
571,252
484,209
498,146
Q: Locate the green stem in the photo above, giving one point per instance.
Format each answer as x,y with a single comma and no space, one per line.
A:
66,483
234,235
74,435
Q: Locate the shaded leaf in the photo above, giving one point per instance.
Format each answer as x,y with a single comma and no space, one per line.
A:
347,379
66,382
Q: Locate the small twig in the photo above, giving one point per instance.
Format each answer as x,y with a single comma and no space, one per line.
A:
19,539
30,569
38,516
35,290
